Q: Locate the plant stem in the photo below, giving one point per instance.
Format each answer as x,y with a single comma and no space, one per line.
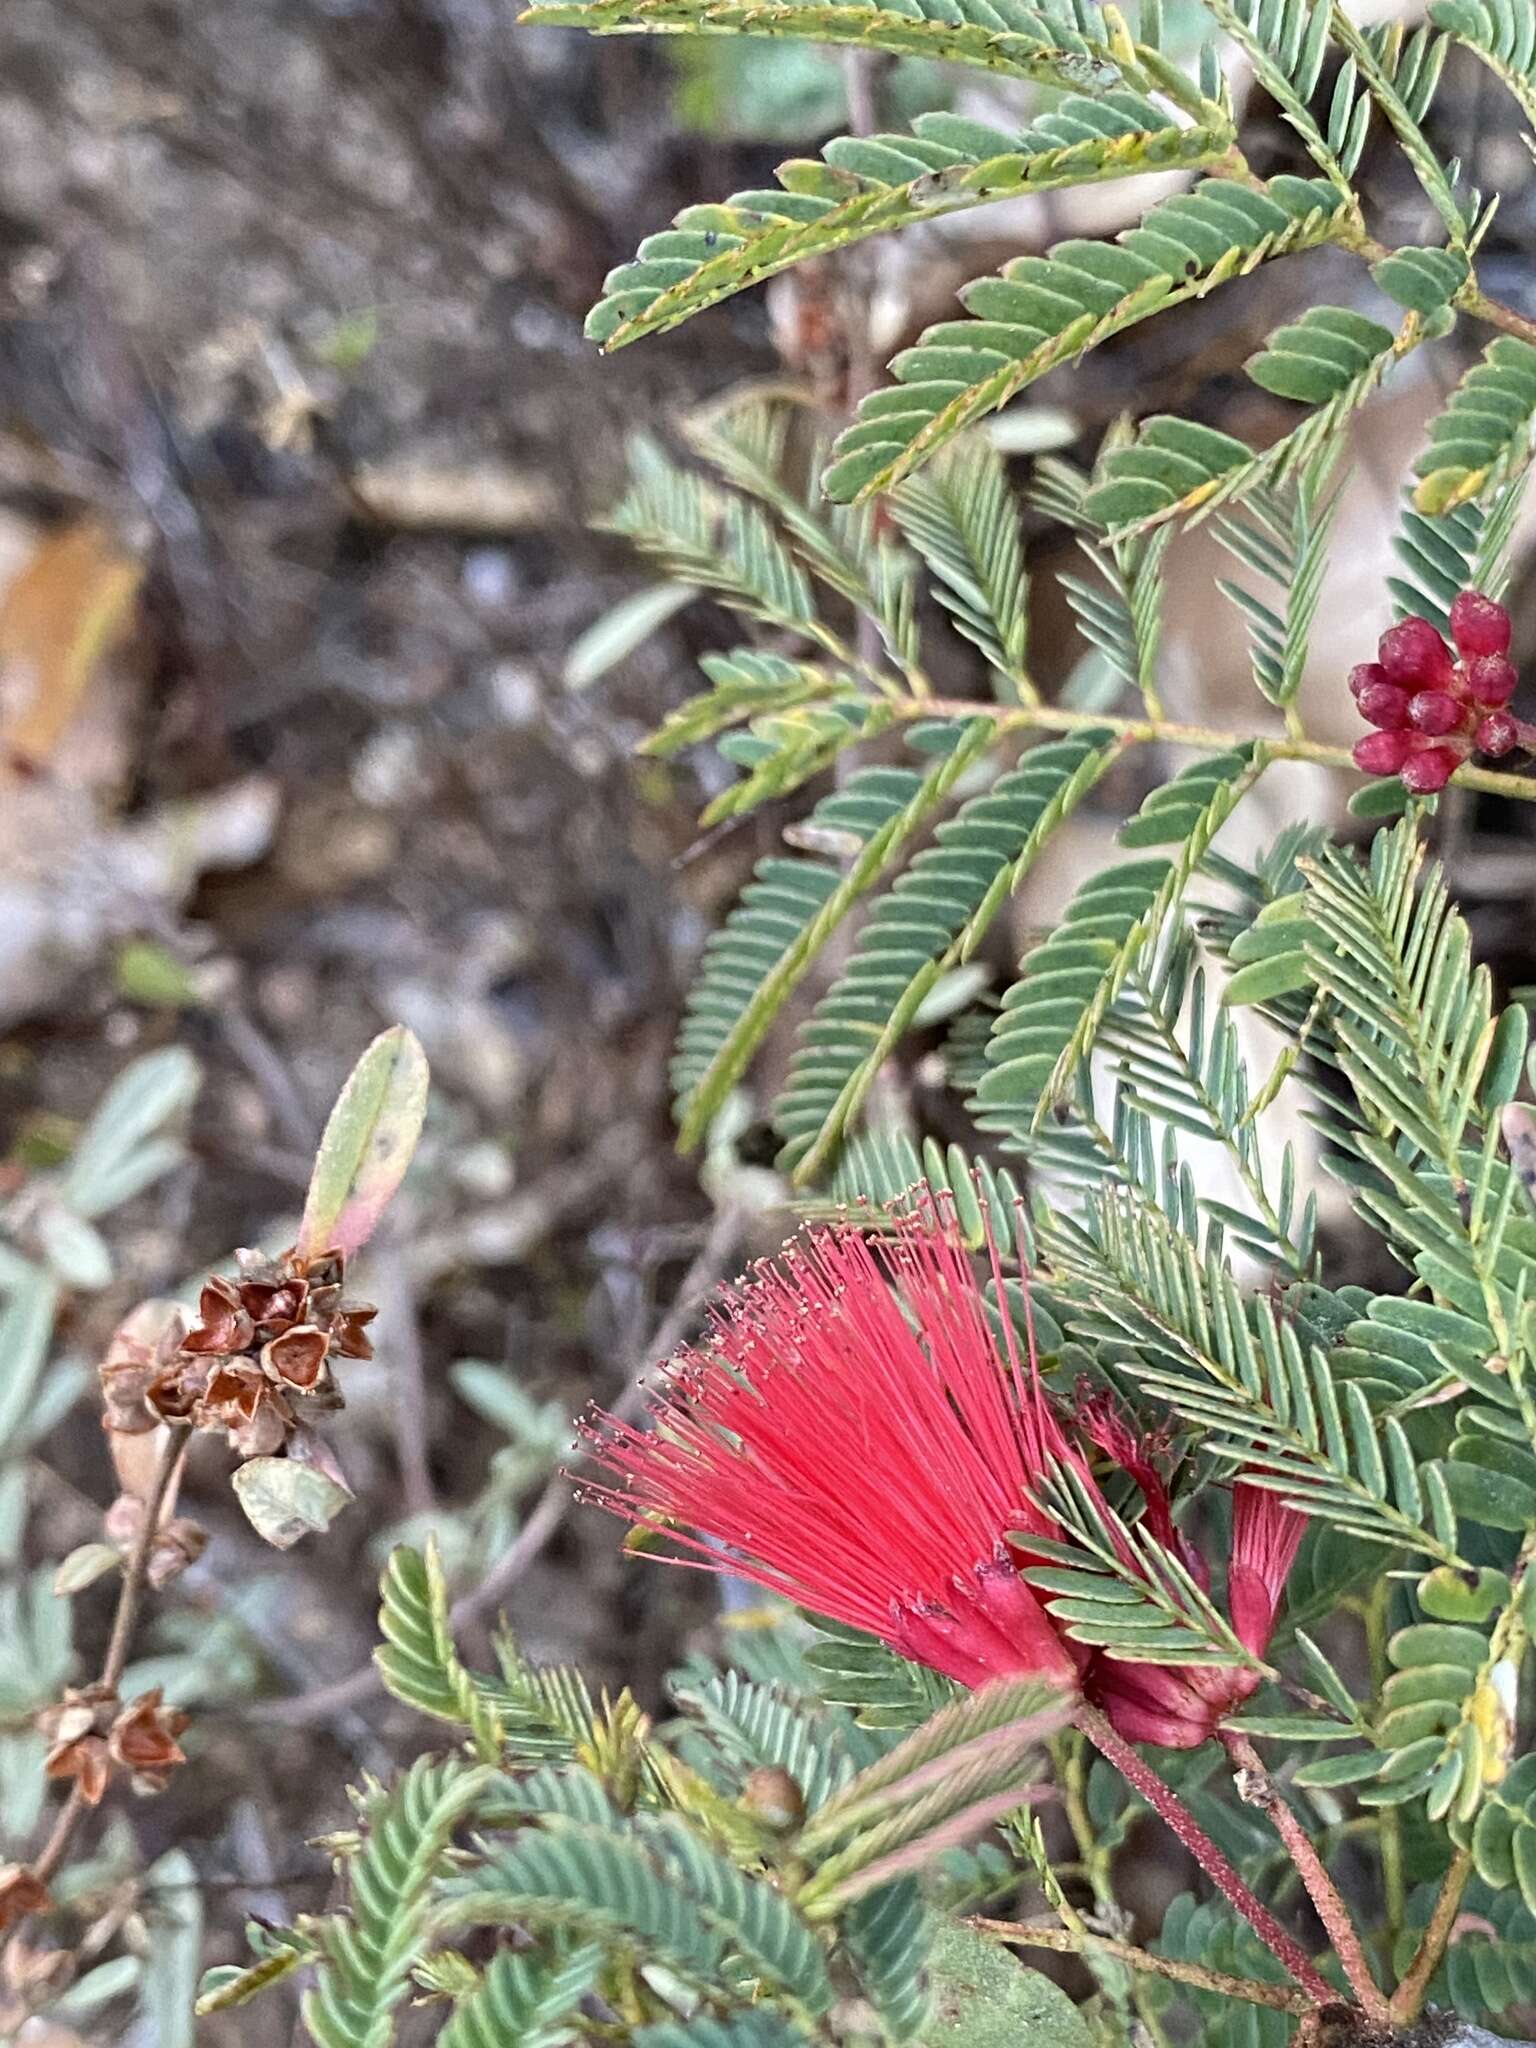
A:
1408,1998
1068,1941
1389,1819
129,1599
136,1575
1258,1789
1496,313
1170,1808
1204,738
1471,298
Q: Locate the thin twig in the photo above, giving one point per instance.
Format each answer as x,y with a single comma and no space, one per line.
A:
1257,1788
1204,739
554,1503
1408,1998
1069,1941
1166,1803
270,1072
129,1598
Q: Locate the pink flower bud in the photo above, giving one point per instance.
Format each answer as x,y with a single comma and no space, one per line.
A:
1386,705
1434,712
1363,674
1412,652
1429,771
1478,625
1382,753
1497,734
1491,680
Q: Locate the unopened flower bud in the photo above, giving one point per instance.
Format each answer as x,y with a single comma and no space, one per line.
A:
1497,734
1413,653
1382,753
1387,705
1479,625
771,1794
1363,675
1491,680
1435,712
1431,770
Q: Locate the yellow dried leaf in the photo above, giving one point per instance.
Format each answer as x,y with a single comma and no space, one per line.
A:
64,610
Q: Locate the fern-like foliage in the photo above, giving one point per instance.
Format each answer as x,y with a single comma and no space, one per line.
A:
929,922
1485,429
1052,1014
869,185
1503,34
1041,312
1331,359
1039,43
789,912
770,1866
530,1998
889,1935
367,1956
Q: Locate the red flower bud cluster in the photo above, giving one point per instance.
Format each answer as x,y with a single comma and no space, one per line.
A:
1433,706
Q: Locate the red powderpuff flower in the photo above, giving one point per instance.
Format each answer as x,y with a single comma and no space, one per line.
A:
1179,1706
846,1437
849,1437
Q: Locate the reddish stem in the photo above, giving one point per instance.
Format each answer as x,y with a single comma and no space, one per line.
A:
1257,1787
1169,1807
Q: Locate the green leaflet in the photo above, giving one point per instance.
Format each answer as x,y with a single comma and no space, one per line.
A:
366,1145
1331,359
537,1711
1321,355
1503,33
985,1998
879,1688
530,1998
1492,1968
1483,432
785,916
1443,1727
748,686
882,1168
1504,1838
1052,1013
756,1726
1452,551
1210,1932
1287,43
931,919
367,1958
962,518
888,1934
1006,36
1424,280
757,1918
592,1881
868,186
1260,1391
702,535
1042,311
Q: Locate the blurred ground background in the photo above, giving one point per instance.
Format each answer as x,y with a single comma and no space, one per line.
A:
297,422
